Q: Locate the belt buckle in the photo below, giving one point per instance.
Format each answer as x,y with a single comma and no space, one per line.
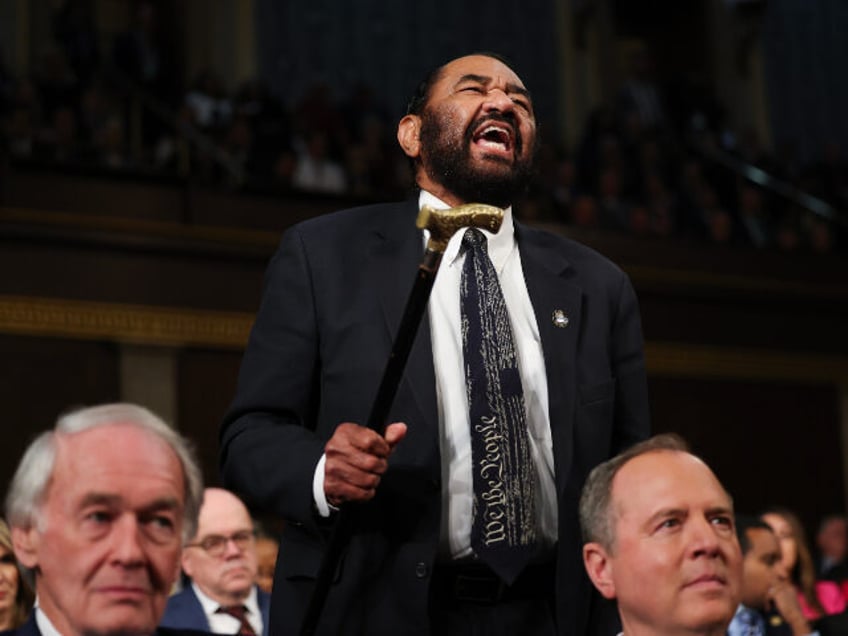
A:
478,588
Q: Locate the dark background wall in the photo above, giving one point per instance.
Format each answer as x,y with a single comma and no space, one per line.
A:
389,46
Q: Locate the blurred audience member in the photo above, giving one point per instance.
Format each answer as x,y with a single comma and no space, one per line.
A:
317,112
832,546
315,170
267,550
56,84
584,212
640,97
613,209
144,56
99,508
221,561
211,109
817,598
660,204
754,216
283,169
821,234
270,125
787,235
768,599
564,190
15,595
59,141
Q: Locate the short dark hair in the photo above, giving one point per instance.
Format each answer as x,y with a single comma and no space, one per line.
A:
596,520
745,522
421,96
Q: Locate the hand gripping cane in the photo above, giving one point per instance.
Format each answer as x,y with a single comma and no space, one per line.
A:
442,225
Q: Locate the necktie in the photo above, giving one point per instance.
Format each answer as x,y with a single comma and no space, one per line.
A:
503,532
239,612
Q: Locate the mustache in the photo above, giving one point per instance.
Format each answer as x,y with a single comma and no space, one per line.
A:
504,118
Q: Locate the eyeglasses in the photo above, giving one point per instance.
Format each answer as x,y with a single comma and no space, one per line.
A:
216,544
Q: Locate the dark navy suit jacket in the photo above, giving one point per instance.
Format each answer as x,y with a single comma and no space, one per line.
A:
30,628
184,611
334,295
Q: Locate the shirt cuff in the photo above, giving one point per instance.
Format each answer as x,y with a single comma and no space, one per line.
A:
324,508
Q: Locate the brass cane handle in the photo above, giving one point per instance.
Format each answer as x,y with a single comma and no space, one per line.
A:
443,224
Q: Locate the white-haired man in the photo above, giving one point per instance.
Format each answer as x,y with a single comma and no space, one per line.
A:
99,509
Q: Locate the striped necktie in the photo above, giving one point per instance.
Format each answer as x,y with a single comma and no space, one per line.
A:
239,612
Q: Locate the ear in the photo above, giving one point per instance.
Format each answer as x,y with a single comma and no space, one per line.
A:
408,132
186,562
599,568
25,543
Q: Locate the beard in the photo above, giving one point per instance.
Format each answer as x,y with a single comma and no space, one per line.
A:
492,179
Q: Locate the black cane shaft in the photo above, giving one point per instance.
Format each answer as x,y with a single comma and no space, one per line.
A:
416,305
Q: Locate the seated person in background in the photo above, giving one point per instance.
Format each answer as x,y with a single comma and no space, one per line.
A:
221,561
765,586
15,595
659,538
99,508
818,598
832,544
267,549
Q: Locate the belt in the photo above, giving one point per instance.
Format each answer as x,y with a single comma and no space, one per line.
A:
477,583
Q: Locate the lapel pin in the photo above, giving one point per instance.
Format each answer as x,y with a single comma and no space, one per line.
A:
559,319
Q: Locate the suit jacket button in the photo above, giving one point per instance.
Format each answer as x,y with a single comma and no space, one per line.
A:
420,570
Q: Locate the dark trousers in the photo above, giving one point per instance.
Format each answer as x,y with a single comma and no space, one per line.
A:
471,601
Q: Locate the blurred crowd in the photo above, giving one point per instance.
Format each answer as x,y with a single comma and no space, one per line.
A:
651,162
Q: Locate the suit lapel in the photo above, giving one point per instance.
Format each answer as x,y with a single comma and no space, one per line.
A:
30,627
397,248
554,297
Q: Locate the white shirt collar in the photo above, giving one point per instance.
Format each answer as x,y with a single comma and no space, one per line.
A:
211,606
500,245
45,626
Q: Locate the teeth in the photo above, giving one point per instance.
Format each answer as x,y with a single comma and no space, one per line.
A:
494,144
496,136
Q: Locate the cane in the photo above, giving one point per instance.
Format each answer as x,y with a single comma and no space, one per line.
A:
442,225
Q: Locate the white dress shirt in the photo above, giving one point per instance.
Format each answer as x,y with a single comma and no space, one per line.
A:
454,437
454,426
45,626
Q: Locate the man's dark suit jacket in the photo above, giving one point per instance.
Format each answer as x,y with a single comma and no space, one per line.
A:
185,611
333,298
836,572
30,628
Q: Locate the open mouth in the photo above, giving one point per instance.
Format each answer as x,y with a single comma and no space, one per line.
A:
495,136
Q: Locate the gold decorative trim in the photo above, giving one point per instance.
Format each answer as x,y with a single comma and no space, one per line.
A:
699,361
142,324
168,326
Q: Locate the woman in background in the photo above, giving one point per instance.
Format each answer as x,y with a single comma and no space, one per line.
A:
15,595
817,598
